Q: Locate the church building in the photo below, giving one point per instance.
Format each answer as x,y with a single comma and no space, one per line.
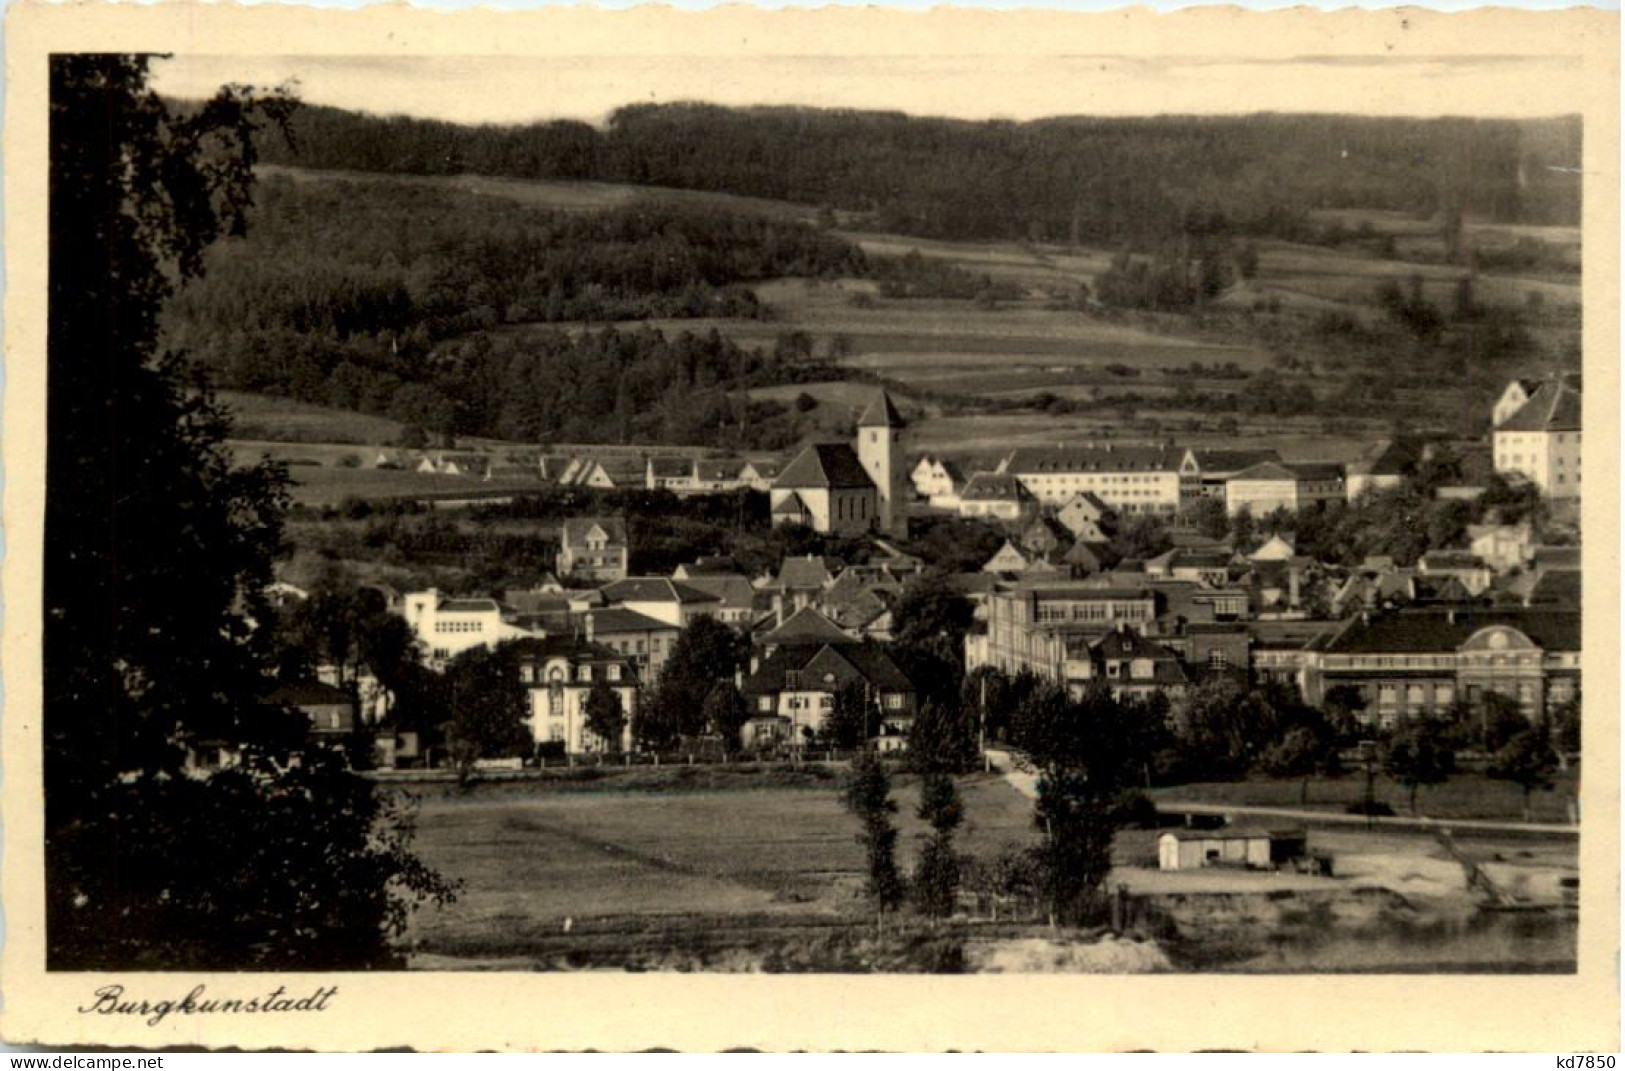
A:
849,489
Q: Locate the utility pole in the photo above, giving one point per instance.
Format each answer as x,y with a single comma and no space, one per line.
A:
981,728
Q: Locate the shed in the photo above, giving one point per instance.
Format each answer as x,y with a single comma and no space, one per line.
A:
1191,849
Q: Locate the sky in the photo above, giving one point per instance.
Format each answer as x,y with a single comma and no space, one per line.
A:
516,89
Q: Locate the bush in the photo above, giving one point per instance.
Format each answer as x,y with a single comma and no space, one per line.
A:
1373,809
350,461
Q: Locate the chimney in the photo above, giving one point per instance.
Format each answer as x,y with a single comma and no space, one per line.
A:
587,617
1293,575
778,610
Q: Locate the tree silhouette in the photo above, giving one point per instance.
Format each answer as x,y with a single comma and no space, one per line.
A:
157,554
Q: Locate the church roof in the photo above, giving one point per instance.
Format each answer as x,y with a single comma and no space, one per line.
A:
881,413
820,465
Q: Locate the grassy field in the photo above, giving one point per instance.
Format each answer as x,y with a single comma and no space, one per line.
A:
263,417
553,196
657,844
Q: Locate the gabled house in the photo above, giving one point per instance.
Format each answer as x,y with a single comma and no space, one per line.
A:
1272,485
994,494
938,480
1384,464
1539,440
1277,548
1010,559
759,475
1130,665
792,690
331,709
668,474
593,549
800,582
737,599
473,466
1087,517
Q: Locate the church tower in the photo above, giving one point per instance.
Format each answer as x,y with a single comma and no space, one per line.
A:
880,449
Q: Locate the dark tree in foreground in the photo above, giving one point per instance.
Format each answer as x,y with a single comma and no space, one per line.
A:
936,875
487,707
706,652
851,719
157,553
605,715
868,795
1087,754
726,714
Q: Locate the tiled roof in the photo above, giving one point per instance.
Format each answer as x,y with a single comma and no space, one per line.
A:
827,668
734,590
716,471
802,573
881,413
803,627
1266,470
992,487
1555,406
1037,459
1385,458
1420,631
614,619
576,529
1219,462
576,649
820,465
1317,470
671,467
654,589
467,606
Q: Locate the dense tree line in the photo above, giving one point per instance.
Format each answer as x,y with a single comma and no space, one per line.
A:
1071,178
392,300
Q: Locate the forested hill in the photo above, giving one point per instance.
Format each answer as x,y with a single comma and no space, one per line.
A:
1078,179
391,298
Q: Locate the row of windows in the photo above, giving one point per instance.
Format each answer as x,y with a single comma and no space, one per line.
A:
459,626
531,674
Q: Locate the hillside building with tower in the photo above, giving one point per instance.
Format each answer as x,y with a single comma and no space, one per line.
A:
849,488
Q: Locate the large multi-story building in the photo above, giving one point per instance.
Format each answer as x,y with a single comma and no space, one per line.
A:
1129,479
1538,438
1411,663
448,626
559,673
